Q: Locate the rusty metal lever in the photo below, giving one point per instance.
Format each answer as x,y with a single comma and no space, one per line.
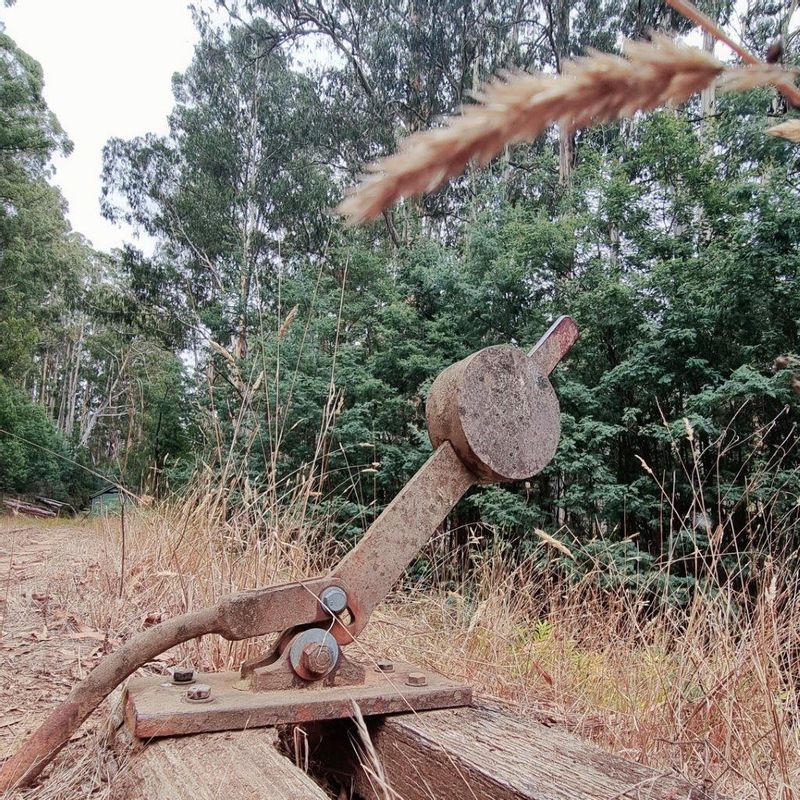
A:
492,417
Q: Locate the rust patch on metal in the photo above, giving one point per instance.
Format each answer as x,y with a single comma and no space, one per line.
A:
153,709
499,412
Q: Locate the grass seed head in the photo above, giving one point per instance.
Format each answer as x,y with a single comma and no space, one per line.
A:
515,107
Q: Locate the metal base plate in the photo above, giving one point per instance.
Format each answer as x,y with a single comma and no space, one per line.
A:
155,707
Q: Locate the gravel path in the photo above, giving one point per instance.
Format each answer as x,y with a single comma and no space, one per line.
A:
51,634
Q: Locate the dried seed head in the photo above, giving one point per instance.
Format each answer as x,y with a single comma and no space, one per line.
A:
519,107
781,362
774,52
786,130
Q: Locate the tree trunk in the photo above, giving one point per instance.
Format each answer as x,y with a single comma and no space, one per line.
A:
72,383
708,95
566,139
249,222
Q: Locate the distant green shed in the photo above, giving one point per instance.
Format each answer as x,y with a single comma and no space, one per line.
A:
107,500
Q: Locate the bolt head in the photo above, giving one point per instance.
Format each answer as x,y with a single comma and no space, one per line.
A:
384,666
313,653
317,658
200,691
334,599
417,679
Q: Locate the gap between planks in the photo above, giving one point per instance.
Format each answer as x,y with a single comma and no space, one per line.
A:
488,753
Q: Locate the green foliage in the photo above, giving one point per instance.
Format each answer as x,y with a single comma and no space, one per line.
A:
34,245
672,239
31,451
74,334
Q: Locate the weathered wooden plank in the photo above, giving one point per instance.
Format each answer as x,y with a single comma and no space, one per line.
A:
244,765
486,753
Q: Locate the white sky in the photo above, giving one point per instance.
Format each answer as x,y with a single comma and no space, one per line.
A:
107,67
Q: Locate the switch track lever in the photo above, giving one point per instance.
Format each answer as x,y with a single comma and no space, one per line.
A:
492,417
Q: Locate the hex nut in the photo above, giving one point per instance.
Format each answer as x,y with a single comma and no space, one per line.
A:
182,675
317,658
334,599
384,666
307,654
417,679
199,693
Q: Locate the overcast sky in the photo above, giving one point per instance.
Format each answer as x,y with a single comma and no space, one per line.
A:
107,70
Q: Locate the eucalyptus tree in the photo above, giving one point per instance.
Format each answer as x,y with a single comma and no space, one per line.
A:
34,235
74,340
233,193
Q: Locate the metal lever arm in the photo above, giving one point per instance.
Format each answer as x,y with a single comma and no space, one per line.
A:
376,563
237,616
492,417
555,344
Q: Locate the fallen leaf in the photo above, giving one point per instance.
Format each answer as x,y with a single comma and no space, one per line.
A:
89,634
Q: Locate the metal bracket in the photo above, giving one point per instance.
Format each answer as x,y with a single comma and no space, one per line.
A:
155,707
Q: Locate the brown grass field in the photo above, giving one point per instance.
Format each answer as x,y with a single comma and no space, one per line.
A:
707,693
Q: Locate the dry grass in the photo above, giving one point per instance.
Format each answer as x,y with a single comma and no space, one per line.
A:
786,130
709,690
520,107
707,694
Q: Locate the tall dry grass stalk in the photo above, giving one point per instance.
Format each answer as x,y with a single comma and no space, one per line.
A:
708,689
519,107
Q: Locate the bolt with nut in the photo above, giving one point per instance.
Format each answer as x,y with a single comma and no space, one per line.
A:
317,658
416,679
182,675
199,693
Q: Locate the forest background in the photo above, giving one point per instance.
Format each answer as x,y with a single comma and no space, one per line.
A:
266,350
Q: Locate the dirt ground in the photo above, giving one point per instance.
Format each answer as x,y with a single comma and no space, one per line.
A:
45,568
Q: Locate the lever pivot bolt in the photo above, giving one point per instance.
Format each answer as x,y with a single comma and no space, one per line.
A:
313,654
417,679
334,599
317,659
